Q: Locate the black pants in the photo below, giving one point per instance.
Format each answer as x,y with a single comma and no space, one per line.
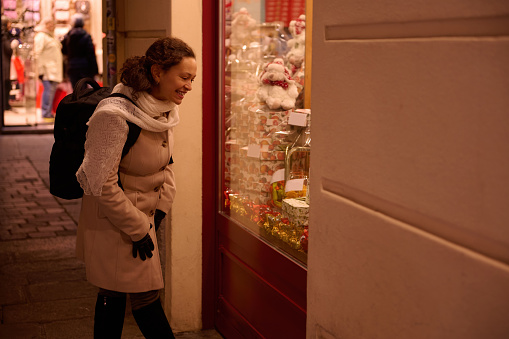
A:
147,311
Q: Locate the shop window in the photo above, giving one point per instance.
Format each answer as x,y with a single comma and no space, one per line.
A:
267,140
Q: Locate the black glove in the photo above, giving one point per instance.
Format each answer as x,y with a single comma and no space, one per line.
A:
158,217
145,246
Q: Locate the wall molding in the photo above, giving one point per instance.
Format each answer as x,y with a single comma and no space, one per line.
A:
461,27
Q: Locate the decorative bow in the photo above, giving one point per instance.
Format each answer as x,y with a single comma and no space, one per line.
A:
279,83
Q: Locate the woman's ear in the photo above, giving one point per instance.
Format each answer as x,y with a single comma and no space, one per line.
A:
156,73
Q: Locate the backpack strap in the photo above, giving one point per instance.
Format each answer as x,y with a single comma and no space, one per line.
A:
134,130
80,88
132,136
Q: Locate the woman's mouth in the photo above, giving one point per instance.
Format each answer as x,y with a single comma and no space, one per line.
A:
181,94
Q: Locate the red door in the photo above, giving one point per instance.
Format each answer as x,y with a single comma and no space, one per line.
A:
254,277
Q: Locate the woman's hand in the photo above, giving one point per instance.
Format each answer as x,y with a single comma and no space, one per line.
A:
144,246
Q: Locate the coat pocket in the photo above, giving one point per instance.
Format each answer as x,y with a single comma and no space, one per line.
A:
132,196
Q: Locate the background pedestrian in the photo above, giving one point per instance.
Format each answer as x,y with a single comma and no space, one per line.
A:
79,52
48,56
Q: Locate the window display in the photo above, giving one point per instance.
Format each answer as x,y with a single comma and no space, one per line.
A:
267,140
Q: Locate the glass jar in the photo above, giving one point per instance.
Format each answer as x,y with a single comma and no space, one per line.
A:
296,185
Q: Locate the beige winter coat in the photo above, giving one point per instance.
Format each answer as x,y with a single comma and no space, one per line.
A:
110,222
48,55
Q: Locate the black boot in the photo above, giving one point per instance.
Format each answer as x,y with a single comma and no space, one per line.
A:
153,322
109,317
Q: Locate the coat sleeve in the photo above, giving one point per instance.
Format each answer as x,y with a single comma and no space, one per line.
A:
111,130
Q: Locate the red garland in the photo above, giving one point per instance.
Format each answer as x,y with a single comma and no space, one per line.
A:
279,83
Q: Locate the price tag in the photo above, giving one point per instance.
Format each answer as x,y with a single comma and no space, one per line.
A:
253,151
278,175
297,119
294,185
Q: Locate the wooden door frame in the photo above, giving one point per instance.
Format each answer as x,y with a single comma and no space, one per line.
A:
210,46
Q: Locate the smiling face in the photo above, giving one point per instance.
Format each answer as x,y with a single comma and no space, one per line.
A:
173,84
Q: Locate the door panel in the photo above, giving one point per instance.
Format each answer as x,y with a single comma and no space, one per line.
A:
264,261
261,292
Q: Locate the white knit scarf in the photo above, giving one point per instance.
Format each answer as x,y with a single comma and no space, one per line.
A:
108,131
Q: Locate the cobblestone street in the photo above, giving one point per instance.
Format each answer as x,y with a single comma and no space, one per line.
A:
43,290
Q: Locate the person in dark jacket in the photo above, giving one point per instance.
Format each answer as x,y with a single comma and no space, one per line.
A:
6,62
79,49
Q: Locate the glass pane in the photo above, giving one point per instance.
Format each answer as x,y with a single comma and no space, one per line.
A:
267,141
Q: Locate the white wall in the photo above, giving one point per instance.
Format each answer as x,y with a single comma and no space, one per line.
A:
185,258
410,177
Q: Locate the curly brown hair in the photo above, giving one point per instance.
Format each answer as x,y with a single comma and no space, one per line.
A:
165,52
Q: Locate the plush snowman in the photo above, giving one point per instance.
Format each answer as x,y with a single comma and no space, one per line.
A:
242,27
297,44
277,89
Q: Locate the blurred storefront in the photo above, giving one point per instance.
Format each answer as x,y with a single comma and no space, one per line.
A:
26,88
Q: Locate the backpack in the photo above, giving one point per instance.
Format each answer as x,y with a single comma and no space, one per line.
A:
70,131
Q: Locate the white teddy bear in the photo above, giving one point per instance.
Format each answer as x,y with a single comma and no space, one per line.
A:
297,44
277,89
242,27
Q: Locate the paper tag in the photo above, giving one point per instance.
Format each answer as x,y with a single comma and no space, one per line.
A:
294,185
253,151
278,175
297,119
303,110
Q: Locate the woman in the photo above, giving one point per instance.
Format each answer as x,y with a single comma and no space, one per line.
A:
48,55
79,49
117,226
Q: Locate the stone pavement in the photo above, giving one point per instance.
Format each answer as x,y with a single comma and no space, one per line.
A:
43,290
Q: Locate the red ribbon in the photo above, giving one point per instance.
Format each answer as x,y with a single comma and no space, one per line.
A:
279,83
